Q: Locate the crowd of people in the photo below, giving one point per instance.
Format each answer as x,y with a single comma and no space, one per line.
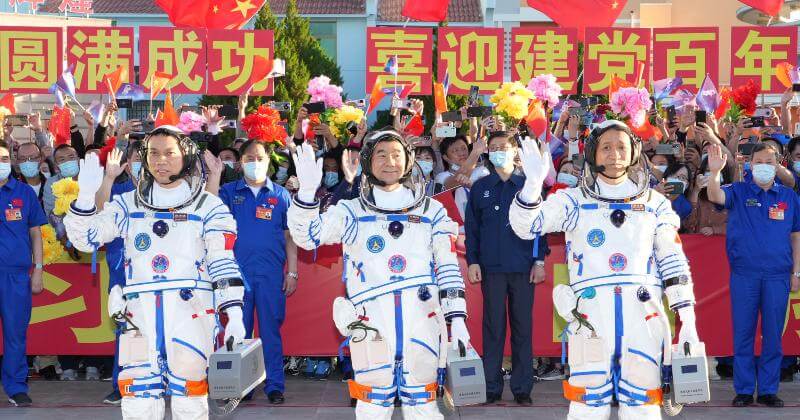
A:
696,165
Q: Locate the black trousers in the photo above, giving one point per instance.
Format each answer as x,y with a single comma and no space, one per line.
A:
516,289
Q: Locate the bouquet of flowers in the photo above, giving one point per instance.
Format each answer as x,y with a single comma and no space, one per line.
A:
545,89
321,90
632,103
52,249
65,191
743,100
262,125
343,117
511,102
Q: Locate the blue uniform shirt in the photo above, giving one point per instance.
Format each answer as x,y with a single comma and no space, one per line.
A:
260,222
760,224
115,249
20,212
490,241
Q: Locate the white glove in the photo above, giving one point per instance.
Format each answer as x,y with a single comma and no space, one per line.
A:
536,163
564,301
344,314
458,332
688,329
235,326
309,172
116,301
90,178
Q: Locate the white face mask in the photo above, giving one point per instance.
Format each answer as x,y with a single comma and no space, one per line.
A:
660,168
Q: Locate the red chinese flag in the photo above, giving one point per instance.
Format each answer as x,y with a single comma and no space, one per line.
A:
159,81
536,119
415,127
580,13
426,10
770,7
616,84
262,66
59,125
439,98
7,102
168,116
449,203
210,14
114,79
376,95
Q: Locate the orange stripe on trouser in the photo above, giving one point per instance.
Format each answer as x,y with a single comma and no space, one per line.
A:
361,392
193,388
576,393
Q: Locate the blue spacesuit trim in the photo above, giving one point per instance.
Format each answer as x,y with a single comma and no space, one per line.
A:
164,216
160,347
374,369
398,324
414,340
643,354
189,346
588,372
416,281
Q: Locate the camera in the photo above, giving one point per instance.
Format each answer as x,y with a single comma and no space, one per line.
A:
451,116
446,131
756,121
668,149
314,107
200,136
479,111
17,120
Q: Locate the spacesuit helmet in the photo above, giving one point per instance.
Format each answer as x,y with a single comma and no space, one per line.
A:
636,170
191,168
410,179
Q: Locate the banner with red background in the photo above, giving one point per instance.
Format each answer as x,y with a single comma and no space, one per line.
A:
413,48
30,58
689,53
536,50
610,52
231,58
755,51
178,52
97,51
471,56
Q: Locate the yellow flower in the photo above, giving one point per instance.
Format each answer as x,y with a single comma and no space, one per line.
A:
65,191
4,111
512,99
342,116
51,247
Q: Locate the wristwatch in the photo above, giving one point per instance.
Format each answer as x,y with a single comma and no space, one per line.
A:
539,263
292,274
40,266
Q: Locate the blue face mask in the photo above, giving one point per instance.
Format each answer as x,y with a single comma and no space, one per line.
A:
568,179
358,171
29,169
255,171
331,179
747,166
763,173
796,166
501,158
136,168
5,171
425,166
69,168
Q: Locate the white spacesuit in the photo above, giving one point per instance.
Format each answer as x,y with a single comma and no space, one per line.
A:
180,273
621,241
403,280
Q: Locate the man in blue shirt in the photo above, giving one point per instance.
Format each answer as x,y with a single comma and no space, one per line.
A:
763,246
262,249
20,239
505,266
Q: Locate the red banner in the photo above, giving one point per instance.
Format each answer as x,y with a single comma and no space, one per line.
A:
689,53
96,52
69,317
30,58
178,52
536,50
755,51
231,58
471,56
610,52
413,48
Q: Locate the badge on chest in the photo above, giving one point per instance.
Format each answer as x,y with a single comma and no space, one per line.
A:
13,215
776,211
263,213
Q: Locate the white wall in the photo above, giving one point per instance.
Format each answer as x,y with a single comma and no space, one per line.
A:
351,52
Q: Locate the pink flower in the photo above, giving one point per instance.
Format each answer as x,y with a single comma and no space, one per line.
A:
633,103
321,90
545,88
191,121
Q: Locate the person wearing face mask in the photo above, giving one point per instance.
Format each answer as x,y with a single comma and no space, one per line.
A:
507,269
793,157
66,160
231,170
706,217
331,177
568,174
20,248
262,249
29,159
673,180
425,163
763,247
121,175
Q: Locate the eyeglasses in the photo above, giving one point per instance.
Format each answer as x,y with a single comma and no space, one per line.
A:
500,149
21,159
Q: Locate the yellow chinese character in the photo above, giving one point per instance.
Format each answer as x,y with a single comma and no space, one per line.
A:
697,63
176,57
548,55
248,52
477,55
106,50
616,57
28,60
759,61
408,47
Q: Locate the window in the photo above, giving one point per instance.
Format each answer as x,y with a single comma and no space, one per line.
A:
325,32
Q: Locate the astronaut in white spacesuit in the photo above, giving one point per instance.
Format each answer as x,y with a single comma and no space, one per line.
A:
402,276
180,274
623,253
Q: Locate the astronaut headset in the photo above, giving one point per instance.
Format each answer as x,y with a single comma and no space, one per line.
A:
369,148
593,142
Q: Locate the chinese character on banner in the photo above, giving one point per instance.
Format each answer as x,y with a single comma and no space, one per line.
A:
536,51
180,53
689,53
231,56
82,7
97,52
755,51
414,50
30,58
610,52
34,4
472,56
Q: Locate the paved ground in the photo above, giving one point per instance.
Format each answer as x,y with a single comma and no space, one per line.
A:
327,400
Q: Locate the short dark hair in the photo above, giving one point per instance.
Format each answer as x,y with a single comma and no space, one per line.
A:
447,143
93,146
500,134
425,149
777,142
4,145
61,147
760,147
793,143
243,148
32,143
235,152
133,147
